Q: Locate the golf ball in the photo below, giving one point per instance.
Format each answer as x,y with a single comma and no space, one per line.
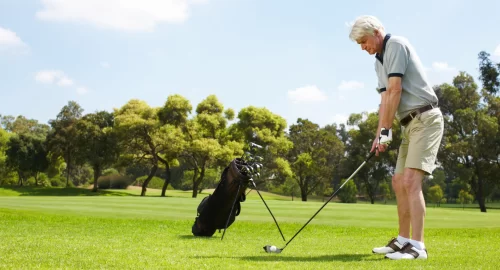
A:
272,248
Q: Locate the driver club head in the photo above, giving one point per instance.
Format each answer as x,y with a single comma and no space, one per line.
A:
272,249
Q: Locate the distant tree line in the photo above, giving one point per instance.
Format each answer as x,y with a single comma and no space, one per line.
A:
174,147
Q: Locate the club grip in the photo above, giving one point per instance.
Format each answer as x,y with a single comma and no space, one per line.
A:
371,155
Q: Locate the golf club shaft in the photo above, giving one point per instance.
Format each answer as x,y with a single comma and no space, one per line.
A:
268,210
331,197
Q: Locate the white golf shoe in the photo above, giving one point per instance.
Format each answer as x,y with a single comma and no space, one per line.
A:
408,252
391,247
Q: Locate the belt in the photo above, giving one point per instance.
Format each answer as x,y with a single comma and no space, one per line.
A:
416,112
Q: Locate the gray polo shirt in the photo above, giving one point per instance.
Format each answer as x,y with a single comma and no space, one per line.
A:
399,58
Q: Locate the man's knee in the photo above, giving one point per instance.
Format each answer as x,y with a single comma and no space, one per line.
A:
412,180
397,182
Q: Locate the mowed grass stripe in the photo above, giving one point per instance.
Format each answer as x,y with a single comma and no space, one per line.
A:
60,241
336,214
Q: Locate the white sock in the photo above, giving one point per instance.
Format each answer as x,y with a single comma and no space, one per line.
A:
402,240
417,244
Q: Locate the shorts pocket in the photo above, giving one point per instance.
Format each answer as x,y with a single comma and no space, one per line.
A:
430,117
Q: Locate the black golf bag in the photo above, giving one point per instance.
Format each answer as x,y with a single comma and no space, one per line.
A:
219,210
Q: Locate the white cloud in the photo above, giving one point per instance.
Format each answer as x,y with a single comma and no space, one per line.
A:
441,66
497,51
350,85
82,90
122,15
58,78
441,72
105,64
9,39
340,119
347,87
53,76
310,93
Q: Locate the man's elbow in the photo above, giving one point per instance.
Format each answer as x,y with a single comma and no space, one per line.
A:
395,86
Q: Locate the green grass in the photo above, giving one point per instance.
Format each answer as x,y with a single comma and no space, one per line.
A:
133,232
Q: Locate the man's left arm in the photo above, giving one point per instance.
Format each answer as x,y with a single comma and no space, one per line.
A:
396,65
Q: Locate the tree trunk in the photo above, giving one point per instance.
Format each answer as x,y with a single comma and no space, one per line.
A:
68,170
480,195
303,190
150,176
198,181
167,179
20,178
97,174
36,179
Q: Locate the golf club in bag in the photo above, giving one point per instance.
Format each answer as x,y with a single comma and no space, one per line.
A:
219,209
274,249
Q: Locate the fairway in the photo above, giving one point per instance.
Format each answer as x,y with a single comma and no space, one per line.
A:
133,232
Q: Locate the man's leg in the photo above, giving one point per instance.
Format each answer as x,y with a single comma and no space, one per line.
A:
412,184
403,207
424,140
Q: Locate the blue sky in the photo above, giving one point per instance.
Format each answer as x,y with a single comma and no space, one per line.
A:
293,57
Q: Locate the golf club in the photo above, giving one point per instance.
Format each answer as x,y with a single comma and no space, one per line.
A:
274,249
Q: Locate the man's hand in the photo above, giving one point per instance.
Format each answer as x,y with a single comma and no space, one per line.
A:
384,139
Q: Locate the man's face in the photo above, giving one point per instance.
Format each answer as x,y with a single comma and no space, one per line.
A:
370,43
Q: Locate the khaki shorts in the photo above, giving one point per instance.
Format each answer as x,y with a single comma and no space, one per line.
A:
420,142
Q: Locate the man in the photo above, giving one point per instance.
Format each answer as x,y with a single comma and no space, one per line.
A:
406,95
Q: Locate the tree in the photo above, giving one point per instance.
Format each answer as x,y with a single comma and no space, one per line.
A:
435,194
21,125
359,143
261,126
173,118
208,143
96,142
27,156
314,155
138,132
464,198
469,142
61,140
348,192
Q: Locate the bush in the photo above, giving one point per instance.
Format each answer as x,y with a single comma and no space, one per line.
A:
156,182
57,181
114,181
348,192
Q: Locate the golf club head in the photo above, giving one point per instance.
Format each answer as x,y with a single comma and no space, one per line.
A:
256,167
258,158
272,249
254,145
257,175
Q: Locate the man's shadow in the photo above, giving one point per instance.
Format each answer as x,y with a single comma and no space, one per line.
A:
286,258
328,257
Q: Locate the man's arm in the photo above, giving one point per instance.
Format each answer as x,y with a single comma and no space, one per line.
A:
390,102
395,64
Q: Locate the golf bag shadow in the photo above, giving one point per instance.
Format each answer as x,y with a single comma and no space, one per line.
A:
219,210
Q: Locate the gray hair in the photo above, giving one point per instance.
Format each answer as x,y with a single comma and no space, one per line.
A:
365,25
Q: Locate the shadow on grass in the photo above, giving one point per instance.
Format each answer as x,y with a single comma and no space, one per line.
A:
211,238
69,191
286,258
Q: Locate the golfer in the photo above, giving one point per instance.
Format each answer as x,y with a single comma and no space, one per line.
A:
406,95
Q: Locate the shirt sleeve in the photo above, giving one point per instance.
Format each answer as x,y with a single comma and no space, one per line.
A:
397,59
381,87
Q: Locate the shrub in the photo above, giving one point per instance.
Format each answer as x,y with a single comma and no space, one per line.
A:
348,192
57,181
156,182
114,181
